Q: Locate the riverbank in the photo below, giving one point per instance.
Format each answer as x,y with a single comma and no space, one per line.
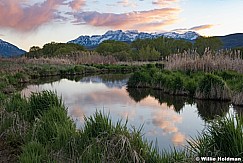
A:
217,85
15,74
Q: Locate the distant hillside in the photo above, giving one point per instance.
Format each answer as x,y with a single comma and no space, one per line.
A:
9,50
232,40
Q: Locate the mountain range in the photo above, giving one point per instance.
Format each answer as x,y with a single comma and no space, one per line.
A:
229,41
129,36
9,50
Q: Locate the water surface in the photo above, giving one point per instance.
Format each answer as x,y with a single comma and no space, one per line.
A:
169,120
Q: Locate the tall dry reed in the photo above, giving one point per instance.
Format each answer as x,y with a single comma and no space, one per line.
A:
208,62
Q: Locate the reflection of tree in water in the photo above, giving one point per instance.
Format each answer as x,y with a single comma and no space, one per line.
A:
209,109
138,94
114,77
177,101
239,110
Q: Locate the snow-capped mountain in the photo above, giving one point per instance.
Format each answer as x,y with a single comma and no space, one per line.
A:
9,50
129,36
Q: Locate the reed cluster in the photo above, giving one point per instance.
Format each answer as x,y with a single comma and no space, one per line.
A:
208,62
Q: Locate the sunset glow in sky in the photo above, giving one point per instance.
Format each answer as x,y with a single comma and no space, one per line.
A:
26,23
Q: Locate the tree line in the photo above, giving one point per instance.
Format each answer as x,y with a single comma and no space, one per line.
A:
138,50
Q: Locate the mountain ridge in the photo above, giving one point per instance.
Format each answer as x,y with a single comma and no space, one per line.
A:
232,40
9,50
129,36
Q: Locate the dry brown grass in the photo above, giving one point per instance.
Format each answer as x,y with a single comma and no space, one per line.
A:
81,57
208,62
73,58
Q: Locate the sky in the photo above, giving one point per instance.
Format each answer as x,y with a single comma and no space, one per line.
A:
27,23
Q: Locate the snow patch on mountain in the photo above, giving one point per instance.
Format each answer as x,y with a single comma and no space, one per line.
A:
129,36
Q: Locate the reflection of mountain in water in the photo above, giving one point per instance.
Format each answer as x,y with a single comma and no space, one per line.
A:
111,81
207,110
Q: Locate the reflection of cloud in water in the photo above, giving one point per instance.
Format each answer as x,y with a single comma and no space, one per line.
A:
77,112
166,120
178,138
83,99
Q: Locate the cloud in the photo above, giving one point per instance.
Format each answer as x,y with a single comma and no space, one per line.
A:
163,3
201,27
77,4
14,15
196,28
151,20
126,3
23,16
1,35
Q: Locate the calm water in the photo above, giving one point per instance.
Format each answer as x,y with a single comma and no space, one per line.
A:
169,120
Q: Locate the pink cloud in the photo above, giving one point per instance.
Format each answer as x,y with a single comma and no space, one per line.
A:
163,3
14,15
202,27
151,20
20,15
196,28
77,4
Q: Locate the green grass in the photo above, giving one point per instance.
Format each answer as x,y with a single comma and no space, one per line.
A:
51,136
42,129
218,85
222,138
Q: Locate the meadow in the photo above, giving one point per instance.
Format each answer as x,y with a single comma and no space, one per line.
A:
38,128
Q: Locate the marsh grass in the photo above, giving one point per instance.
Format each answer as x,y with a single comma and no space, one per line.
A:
210,61
34,152
222,138
50,135
46,133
